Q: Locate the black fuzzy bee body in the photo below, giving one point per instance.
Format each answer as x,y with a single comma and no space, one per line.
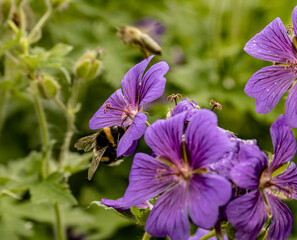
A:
104,144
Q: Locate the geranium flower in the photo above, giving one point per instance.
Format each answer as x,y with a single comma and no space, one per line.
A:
269,84
123,108
178,174
188,105
249,212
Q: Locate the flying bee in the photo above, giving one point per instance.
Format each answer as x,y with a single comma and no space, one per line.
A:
139,39
104,144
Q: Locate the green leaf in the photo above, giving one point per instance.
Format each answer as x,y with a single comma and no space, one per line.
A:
140,214
60,50
75,162
50,192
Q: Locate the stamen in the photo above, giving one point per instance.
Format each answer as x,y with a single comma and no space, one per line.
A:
107,106
290,29
174,97
292,64
215,105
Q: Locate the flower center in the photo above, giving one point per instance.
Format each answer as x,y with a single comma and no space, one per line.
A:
267,184
292,64
128,113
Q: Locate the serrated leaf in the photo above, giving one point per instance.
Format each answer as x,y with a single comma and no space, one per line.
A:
60,50
140,214
49,192
75,162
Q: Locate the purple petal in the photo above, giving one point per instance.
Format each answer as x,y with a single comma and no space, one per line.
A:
117,204
248,172
248,214
164,137
132,79
291,107
272,43
268,85
153,83
207,193
284,143
188,105
205,142
282,219
112,117
288,180
134,132
294,19
169,215
148,178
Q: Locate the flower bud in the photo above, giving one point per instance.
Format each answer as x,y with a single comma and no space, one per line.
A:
5,8
47,87
88,66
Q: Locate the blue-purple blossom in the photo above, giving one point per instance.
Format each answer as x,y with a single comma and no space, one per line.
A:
186,105
269,84
256,174
123,108
178,175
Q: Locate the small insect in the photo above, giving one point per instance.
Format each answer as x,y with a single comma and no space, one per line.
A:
104,144
139,39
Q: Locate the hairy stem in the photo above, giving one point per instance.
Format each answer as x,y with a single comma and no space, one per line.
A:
70,113
44,133
209,235
59,225
40,23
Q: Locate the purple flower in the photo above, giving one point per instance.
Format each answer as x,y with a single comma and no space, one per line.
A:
188,105
124,106
249,212
178,175
269,84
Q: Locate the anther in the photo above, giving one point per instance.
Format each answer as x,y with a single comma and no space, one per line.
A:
290,29
107,106
174,97
215,105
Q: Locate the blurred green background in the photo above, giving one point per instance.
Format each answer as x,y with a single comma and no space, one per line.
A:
209,35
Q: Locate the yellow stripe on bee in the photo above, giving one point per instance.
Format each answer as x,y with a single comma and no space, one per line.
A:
109,136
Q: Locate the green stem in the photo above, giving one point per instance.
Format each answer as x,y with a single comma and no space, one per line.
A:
44,134
146,236
148,124
40,23
209,235
2,108
59,225
42,120
71,110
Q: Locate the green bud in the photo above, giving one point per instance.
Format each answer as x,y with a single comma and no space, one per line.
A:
47,87
59,4
88,66
5,6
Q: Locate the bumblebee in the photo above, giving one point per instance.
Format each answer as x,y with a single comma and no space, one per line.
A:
137,38
104,144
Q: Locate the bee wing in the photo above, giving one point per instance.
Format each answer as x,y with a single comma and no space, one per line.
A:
86,143
150,44
95,161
